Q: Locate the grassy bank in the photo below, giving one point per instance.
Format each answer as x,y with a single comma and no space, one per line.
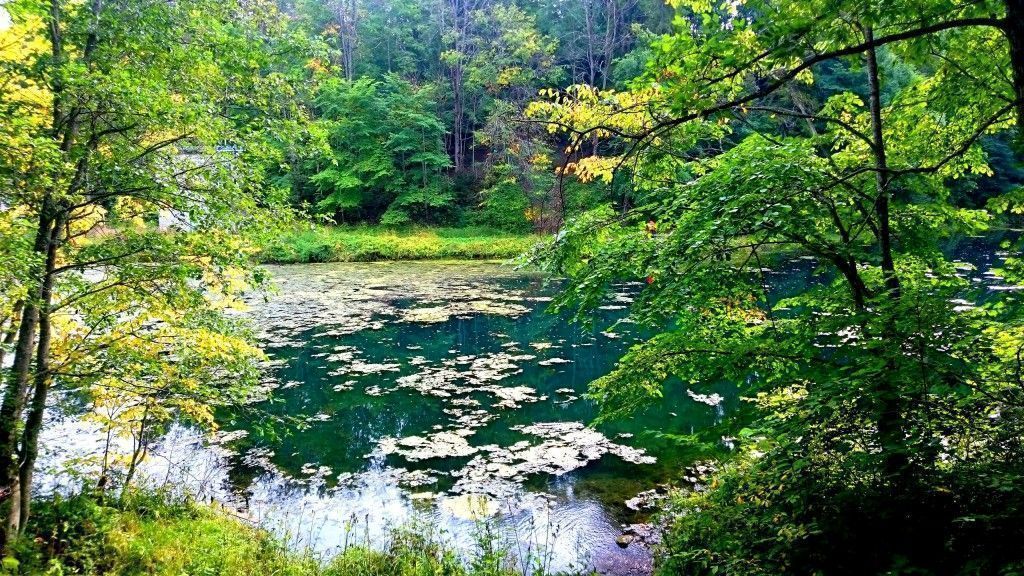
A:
151,535
315,243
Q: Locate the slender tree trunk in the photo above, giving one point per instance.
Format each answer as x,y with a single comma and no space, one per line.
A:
611,30
458,117
17,384
890,429
459,24
897,535
588,14
348,16
139,452
41,383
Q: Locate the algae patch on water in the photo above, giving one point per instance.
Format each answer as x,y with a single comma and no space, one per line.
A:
402,355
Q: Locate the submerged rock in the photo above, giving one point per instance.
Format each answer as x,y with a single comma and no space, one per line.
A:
646,500
644,533
470,506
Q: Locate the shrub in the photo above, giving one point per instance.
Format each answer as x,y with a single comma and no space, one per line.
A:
504,206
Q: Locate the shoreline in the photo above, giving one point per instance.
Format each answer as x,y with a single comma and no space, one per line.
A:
330,244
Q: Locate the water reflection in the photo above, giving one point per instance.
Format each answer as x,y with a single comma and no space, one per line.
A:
425,389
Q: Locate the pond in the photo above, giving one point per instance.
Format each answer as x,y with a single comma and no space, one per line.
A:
447,392
445,396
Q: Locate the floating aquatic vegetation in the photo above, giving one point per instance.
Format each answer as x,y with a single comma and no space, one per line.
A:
513,396
344,386
259,458
434,314
340,300
360,367
554,361
222,437
341,354
464,384
310,469
416,478
709,399
477,419
438,445
467,374
566,446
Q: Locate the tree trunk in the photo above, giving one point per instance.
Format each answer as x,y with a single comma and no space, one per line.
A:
611,31
139,451
41,383
890,429
348,34
17,385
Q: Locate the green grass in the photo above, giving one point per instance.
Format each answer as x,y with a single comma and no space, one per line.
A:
149,534
315,243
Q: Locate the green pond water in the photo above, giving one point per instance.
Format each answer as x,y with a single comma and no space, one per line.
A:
446,391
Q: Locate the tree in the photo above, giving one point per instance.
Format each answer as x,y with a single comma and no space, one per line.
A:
384,151
126,113
883,408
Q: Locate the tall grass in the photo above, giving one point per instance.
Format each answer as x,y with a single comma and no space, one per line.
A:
316,243
153,534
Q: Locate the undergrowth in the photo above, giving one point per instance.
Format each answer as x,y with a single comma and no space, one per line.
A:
151,534
315,243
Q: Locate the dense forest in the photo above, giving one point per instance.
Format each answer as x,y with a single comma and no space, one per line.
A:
411,112
804,215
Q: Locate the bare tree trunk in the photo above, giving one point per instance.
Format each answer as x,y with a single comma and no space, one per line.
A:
592,66
458,117
461,15
348,35
611,30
